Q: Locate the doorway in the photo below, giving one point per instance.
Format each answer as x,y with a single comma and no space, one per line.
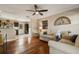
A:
26,28
17,32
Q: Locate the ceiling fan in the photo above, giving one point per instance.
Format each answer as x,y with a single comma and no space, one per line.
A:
37,10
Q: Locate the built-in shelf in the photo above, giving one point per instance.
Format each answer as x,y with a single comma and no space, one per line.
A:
44,26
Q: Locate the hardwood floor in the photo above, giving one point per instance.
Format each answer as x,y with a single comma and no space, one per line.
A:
36,46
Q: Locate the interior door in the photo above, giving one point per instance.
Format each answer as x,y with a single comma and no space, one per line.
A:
26,30
17,32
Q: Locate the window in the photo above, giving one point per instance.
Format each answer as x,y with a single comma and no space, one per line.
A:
62,21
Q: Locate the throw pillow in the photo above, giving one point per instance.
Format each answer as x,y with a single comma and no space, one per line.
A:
73,38
66,41
77,41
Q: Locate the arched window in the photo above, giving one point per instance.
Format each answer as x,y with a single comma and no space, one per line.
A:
62,21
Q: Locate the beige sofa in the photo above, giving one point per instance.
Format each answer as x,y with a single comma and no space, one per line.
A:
64,46
47,37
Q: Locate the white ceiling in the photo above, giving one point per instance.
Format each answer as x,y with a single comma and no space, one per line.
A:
18,10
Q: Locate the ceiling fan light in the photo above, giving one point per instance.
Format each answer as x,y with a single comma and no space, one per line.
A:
37,12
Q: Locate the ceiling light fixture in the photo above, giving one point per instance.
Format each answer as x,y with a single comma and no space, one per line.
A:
37,12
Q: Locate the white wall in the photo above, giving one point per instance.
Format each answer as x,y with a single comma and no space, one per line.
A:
11,34
34,25
21,31
73,27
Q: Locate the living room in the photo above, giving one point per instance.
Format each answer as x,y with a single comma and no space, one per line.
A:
65,31
47,24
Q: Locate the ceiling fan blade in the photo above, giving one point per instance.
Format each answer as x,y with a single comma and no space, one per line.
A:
33,13
42,10
35,6
30,10
40,13
36,10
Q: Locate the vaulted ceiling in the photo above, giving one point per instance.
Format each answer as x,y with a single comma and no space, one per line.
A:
18,10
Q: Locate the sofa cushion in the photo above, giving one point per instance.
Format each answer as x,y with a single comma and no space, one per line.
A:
65,35
66,41
51,34
77,41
